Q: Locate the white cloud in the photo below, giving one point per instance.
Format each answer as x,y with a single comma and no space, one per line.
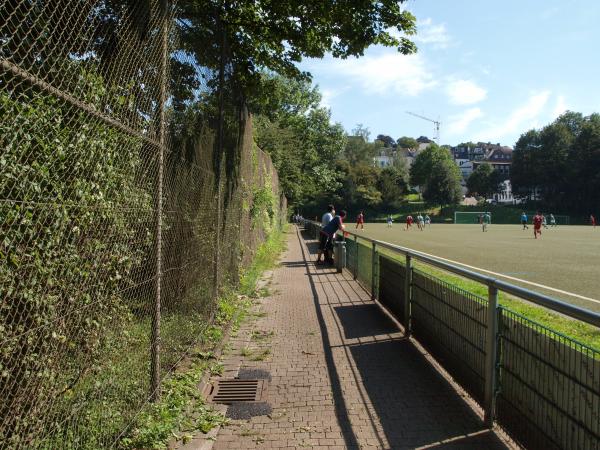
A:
519,120
328,94
465,92
432,34
561,106
459,123
384,73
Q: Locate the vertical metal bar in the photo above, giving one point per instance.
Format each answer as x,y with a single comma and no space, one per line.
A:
355,257
407,294
491,351
220,158
155,332
373,263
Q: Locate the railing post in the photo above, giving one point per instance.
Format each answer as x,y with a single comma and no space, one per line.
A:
355,257
373,264
407,294
340,256
491,350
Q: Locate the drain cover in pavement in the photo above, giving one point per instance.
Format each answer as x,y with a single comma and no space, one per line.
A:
246,410
235,390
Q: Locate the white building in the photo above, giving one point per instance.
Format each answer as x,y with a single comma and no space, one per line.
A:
505,195
383,161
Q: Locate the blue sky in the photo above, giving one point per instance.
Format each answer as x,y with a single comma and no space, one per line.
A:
487,70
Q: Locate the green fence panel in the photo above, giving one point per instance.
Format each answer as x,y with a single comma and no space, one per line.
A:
392,276
365,265
451,323
351,255
549,387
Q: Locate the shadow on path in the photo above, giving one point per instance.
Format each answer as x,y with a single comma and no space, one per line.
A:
341,409
408,403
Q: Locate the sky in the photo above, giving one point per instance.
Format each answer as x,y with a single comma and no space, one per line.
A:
487,70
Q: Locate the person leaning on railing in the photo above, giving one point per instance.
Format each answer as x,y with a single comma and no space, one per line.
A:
327,235
327,217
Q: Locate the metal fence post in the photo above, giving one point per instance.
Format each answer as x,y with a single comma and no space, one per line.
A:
407,294
373,265
340,256
155,332
355,257
491,351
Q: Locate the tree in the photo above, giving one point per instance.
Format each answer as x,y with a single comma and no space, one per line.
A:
387,141
406,142
435,171
357,150
484,180
392,184
276,36
361,131
443,186
561,163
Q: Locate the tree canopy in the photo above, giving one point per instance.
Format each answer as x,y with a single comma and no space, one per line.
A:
263,34
484,180
406,142
561,162
437,174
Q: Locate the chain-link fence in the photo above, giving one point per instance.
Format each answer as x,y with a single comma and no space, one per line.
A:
130,193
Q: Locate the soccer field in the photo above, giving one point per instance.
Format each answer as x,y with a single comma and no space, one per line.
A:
565,258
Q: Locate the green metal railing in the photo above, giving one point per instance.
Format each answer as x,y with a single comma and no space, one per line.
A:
542,387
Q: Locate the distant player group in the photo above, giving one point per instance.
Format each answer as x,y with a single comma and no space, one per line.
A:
332,223
422,222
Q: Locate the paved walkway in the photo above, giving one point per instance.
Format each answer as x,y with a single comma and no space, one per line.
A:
342,375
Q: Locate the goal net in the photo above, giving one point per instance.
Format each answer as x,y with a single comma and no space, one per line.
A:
469,216
560,220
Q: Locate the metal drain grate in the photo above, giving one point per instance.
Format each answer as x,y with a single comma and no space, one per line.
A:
235,390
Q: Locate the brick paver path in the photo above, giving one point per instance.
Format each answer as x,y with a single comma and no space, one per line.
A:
342,375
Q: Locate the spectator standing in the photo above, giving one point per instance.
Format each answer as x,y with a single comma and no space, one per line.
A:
328,234
327,217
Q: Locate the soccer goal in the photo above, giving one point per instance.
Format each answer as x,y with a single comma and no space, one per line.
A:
469,216
560,220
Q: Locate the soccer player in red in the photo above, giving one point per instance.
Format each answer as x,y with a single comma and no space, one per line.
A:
360,220
409,221
592,220
537,224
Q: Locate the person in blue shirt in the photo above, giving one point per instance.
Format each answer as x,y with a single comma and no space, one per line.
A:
327,237
524,220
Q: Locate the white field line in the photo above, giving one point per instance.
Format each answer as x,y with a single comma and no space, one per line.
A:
508,277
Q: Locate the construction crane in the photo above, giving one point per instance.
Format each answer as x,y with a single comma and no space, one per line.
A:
436,132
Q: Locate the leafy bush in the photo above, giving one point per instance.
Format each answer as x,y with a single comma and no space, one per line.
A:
75,221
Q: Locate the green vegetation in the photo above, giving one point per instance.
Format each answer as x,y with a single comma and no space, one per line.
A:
484,180
65,240
181,410
264,259
327,27
577,330
435,171
574,329
561,162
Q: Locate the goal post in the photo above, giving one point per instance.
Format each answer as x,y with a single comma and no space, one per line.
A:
469,217
560,219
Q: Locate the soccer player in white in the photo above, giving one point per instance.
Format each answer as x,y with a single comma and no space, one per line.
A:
420,222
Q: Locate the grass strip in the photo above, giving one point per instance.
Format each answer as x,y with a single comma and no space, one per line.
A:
181,411
574,329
